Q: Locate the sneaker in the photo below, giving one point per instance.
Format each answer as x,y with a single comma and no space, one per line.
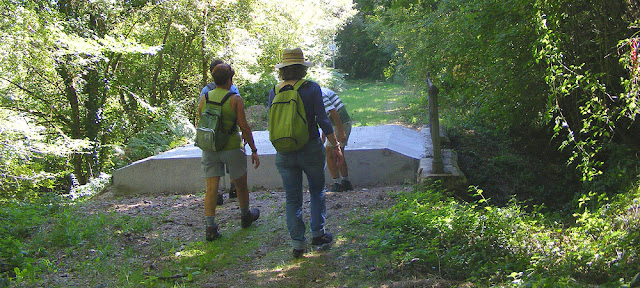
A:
337,187
233,193
253,215
298,253
213,233
346,185
220,199
324,239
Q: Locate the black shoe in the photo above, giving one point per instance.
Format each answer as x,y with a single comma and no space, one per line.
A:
337,187
233,193
213,233
324,239
253,215
219,200
298,253
346,185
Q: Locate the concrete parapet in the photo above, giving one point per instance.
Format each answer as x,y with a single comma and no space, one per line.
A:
387,154
452,178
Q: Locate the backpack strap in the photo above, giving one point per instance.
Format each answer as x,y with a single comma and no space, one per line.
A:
224,99
295,86
299,84
235,123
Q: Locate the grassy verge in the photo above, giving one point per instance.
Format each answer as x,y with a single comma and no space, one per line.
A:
380,103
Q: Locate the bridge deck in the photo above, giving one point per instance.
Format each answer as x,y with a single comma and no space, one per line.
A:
387,154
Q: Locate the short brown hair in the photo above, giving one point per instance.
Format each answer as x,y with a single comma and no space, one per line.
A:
215,63
221,73
293,72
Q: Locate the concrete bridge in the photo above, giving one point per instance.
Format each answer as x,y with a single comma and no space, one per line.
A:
376,155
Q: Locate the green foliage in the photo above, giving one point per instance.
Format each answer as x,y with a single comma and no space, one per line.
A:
360,55
256,93
478,53
33,162
93,72
20,221
528,168
168,128
31,231
526,64
506,245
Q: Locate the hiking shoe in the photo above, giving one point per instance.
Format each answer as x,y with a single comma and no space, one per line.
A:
253,215
213,233
324,239
298,253
220,199
233,193
346,185
337,187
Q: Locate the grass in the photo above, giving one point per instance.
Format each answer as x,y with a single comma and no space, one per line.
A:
376,103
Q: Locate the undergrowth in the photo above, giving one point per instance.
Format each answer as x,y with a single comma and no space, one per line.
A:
509,246
33,232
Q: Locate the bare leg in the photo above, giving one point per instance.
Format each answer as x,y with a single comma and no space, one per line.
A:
243,191
344,171
211,195
331,163
247,215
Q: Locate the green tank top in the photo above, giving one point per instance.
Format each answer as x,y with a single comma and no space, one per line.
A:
229,119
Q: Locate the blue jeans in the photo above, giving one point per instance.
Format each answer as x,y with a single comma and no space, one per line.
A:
310,160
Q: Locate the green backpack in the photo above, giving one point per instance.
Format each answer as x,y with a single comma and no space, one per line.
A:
288,129
210,135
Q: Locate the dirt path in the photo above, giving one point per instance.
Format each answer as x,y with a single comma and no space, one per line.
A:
259,256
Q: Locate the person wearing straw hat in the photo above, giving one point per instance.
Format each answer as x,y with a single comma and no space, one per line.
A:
309,159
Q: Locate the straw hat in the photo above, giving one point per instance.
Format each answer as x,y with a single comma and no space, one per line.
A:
292,57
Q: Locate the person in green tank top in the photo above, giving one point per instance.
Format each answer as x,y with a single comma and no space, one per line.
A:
232,155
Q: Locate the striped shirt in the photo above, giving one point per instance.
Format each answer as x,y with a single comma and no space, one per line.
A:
332,101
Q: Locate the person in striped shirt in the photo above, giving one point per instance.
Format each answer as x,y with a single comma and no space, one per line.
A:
342,125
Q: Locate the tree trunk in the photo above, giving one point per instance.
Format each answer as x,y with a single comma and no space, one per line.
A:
188,40
154,84
76,131
205,65
93,120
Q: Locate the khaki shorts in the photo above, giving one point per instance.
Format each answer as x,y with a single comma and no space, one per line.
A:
213,163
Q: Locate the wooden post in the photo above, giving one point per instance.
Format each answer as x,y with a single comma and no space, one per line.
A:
434,126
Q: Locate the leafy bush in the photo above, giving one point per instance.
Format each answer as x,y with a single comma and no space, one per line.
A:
19,221
168,129
29,231
524,166
506,245
33,160
257,93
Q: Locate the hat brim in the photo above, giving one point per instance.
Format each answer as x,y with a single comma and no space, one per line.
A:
285,64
